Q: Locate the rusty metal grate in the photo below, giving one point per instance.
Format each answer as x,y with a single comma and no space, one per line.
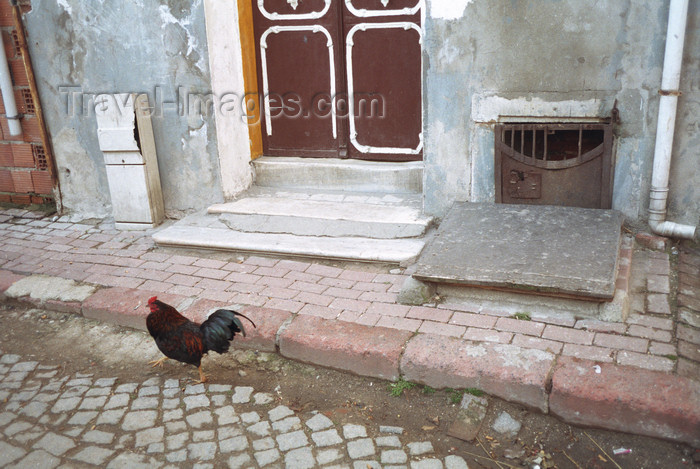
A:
40,157
554,164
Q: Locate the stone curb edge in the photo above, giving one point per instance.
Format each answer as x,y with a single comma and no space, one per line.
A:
582,392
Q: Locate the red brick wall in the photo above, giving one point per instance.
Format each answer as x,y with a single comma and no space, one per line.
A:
24,170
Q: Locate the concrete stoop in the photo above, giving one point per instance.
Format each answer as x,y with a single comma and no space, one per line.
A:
623,398
357,226
542,261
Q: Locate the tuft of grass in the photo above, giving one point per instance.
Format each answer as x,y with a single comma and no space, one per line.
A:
474,392
522,316
397,388
428,390
455,395
671,357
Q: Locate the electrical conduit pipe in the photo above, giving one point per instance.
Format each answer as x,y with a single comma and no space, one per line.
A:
8,94
670,80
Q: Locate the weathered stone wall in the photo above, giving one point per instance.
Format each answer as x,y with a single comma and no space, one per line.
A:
547,58
83,48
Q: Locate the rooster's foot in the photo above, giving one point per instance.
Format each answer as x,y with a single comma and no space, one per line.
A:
158,362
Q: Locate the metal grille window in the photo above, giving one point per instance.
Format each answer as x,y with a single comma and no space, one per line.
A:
554,164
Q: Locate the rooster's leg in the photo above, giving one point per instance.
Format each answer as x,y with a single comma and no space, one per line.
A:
158,362
202,378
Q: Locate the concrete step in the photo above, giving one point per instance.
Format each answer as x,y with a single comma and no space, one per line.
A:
540,260
341,175
208,232
325,214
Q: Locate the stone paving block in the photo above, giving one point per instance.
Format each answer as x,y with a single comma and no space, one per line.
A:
292,440
351,431
267,457
149,435
200,419
627,399
391,441
263,444
280,412
391,429
241,394
110,417
98,436
260,428
469,418
83,417
39,459
287,425
226,415
393,456
138,420
431,463
249,418
327,456
262,398
9,453
361,448
237,443
300,458
54,443
455,462
326,438
201,451
124,306
195,402
369,351
510,372
319,422
420,448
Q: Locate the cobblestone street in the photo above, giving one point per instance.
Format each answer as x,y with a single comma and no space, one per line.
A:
51,419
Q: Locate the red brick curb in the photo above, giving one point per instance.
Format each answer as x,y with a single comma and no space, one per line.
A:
507,371
626,399
124,306
364,350
622,398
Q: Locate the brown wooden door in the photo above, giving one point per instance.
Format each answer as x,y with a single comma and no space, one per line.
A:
340,78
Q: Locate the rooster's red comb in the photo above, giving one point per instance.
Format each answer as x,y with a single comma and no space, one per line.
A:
152,300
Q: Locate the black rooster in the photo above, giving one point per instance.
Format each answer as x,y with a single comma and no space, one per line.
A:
185,341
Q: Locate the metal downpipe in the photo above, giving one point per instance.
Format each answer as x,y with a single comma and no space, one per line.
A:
670,81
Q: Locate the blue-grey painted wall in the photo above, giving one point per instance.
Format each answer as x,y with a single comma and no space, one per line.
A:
553,58
81,48
481,58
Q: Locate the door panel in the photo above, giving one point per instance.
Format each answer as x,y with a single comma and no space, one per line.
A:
386,116
296,69
298,53
340,78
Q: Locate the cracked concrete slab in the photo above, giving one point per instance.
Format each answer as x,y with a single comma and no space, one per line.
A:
45,288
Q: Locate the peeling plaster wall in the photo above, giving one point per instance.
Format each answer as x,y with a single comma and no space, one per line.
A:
551,58
83,48
684,195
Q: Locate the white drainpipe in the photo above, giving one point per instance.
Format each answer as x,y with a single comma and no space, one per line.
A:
670,80
8,94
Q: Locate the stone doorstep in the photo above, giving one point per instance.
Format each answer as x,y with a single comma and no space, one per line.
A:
554,251
512,301
640,401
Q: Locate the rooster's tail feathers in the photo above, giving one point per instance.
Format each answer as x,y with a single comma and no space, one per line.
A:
220,328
